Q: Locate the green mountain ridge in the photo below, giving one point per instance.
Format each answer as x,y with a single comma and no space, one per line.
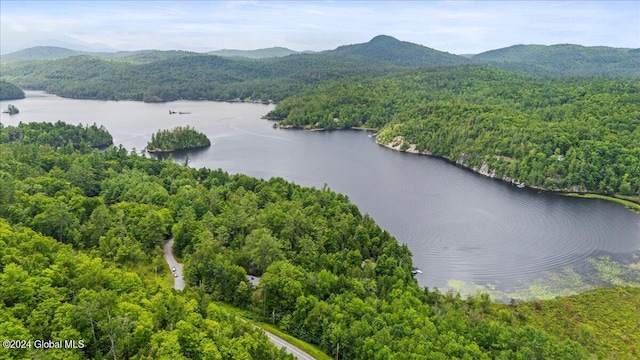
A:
383,50
388,50
55,53
40,53
566,59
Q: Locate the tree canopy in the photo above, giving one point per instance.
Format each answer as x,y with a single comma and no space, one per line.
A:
81,234
154,76
9,91
179,138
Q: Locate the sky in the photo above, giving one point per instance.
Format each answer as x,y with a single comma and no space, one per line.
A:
459,27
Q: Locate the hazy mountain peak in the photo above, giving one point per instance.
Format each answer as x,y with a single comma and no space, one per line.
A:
385,49
41,52
255,54
384,39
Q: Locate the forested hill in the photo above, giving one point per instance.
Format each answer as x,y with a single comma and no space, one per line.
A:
40,53
175,75
170,75
387,50
53,53
565,59
8,91
185,76
579,134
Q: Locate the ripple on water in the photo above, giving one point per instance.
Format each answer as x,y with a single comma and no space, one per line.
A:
488,244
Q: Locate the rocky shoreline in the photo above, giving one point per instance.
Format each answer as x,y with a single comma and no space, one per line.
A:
398,144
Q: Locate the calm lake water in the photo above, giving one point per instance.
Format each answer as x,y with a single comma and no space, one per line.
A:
462,228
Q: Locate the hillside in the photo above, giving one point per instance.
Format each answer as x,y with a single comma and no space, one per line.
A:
382,50
183,76
165,76
151,75
54,53
40,53
386,50
8,91
566,59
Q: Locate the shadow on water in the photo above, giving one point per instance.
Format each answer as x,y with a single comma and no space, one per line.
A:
180,156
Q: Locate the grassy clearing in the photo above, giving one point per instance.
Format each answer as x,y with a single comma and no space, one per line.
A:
605,320
628,201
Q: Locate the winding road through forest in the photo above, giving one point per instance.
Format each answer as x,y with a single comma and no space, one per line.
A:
173,263
179,285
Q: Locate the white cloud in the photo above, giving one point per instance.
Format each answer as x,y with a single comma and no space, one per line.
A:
454,26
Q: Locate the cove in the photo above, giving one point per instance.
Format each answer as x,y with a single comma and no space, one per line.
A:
466,231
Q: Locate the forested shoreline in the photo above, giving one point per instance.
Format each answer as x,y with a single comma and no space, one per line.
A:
9,91
556,134
87,226
555,131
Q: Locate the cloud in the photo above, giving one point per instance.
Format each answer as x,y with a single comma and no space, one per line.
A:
454,26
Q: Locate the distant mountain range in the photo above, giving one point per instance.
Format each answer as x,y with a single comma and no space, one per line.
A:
276,73
53,52
273,52
41,53
564,59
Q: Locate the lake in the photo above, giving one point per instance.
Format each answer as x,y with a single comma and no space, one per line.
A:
466,231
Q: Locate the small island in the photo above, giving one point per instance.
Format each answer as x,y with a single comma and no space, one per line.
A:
11,110
180,138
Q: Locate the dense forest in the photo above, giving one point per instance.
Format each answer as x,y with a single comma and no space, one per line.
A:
81,232
179,77
565,60
555,133
58,135
179,138
81,229
8,91
153,75
51,291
